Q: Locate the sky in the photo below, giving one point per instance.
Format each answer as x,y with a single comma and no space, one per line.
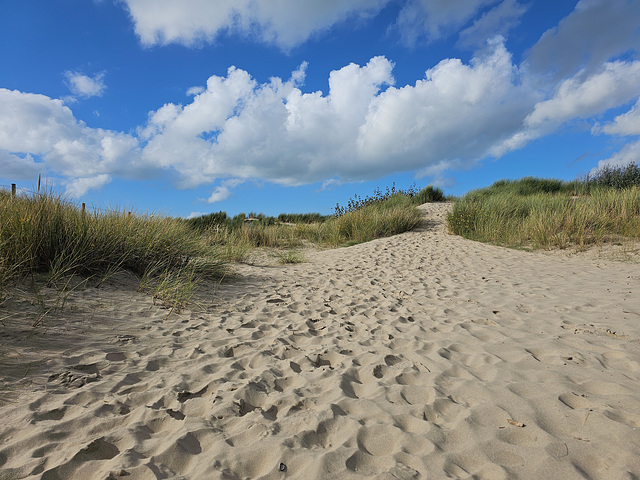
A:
188,107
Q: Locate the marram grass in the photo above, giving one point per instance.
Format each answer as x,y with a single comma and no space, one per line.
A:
44,234
522,216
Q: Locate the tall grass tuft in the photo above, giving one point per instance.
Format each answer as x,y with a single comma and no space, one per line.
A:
43,233
540,213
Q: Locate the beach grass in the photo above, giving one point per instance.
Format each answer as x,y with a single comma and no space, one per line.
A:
43,234
542,213
389,216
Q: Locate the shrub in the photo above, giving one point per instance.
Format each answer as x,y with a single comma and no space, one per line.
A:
619,177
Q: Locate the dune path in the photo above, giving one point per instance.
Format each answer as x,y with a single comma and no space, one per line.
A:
423,355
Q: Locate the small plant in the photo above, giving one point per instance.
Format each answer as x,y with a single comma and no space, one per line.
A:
289,256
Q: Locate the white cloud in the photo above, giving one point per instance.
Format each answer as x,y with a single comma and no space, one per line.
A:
435,19
615,84
84,86
577,97
79,186
453,116
499,20
596,31
363,127
285,23
219,194
195,90
38,125
625,124
630,153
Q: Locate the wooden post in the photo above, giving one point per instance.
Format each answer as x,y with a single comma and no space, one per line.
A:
38,183
82,209
13,190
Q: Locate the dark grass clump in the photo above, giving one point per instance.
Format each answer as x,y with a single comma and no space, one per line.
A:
618,178
429,194
306,218
220,220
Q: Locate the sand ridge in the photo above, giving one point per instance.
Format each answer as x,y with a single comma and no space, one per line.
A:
422,355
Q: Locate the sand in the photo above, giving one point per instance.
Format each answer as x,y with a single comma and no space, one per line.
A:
423,355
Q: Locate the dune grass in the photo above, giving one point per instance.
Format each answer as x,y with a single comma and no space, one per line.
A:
541,213
44,235
384,217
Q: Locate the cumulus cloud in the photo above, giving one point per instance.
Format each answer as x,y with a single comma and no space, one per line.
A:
84,86
79,186
616,84
499,20
33,124
596,31
625,124
578,97
364,127
219,194
285,23
630,153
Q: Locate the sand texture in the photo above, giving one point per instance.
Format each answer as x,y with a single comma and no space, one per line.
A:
423,355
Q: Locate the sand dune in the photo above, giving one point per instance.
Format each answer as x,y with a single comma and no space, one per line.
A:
423,355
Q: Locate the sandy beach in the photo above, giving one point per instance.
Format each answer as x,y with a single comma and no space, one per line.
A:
423,355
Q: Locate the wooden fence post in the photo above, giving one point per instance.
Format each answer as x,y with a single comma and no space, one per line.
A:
38,183
82,209
13,190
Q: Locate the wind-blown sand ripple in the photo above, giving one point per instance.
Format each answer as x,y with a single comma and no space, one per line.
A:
423,355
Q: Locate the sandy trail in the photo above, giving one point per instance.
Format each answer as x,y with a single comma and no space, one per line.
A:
423,355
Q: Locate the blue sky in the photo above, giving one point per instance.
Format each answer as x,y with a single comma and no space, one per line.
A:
190,107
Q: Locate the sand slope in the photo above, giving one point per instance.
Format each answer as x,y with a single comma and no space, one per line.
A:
419,356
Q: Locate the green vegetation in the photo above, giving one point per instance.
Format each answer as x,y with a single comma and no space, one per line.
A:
45,235
427,194
542,213
393,215
380,215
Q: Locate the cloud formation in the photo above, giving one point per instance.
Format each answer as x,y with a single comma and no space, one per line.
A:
36,125
285,23
364,127
578,97
595,32
84,86
625,124
498,21
288,23
435,19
